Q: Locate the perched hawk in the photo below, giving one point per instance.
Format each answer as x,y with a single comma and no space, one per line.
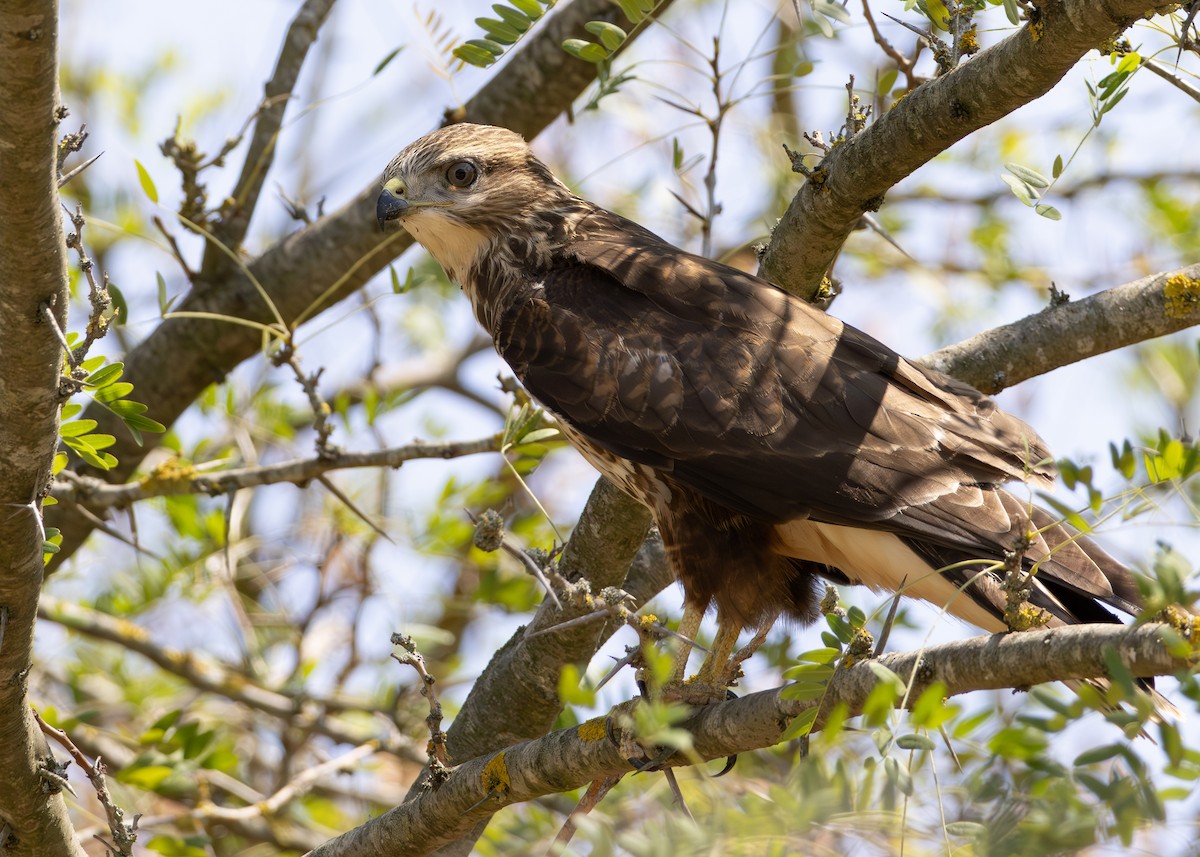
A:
773,443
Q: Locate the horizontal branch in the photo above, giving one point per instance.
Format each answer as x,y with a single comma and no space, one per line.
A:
177,479
570,758
207,674
1061,335
855,175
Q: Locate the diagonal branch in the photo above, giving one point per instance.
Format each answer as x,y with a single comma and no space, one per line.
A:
239,207
571,758
854,176
1123,315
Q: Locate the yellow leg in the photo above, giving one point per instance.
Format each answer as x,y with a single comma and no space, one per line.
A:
689,627
713,668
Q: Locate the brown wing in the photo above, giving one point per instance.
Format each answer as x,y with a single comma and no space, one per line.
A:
760,402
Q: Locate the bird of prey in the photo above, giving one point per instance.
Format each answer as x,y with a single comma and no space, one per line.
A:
773,444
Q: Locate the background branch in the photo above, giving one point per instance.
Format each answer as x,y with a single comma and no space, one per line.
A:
178,479
1123,315
930,119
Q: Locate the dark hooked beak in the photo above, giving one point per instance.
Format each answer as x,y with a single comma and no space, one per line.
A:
389,207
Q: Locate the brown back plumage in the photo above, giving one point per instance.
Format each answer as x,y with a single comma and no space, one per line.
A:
763,433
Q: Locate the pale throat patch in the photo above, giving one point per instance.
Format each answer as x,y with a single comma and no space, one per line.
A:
454,245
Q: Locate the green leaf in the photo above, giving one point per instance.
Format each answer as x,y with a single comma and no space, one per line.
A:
75,428
571,687
804,690
1057,169
1020,190
104,377
898,775
472,55
126,408
120,306
886,82
966,829
1048,211
914,741
148,777
1010,10
1031,177
809,672
539,435
631,10
146,182
69,410
99,460
529,7
1097,754
610,35
493,48
383,63
162,293
518,20
1069,515
585,50
113,392
801,725
498,31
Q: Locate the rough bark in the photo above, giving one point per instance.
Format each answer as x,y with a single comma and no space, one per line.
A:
33,298
929,120
570,758
1060,335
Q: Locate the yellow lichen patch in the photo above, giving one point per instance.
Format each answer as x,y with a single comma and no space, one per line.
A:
495,775
1026,618
1181,296
968,43
170,472
1182,621
593,730
647,620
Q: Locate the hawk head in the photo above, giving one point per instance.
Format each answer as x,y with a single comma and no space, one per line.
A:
464,186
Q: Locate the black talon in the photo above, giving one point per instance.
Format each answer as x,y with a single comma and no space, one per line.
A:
730,761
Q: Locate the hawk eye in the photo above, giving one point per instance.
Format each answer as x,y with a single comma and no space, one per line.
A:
462,174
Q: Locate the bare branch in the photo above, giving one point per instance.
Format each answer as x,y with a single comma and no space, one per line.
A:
931,118
301,711
239,207
207,811
571,758
1134,312
173,478
124,833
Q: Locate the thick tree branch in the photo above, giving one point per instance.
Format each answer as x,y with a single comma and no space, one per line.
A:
321,264
1065,334
33,305
177,479
855,175
571,758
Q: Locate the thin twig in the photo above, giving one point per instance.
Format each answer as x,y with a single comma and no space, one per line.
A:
439,761
124,834
174,478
